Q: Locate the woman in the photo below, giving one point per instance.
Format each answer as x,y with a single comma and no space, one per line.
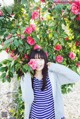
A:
42,95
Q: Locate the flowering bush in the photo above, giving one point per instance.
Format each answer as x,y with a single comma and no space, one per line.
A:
44,24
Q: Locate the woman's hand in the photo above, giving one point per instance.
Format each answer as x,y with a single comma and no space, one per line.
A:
49,64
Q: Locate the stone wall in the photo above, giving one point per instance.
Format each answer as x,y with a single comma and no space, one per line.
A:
7,98
7,93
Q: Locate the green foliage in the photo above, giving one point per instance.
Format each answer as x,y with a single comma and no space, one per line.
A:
18,112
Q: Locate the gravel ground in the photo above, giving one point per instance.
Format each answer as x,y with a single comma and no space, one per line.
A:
72,103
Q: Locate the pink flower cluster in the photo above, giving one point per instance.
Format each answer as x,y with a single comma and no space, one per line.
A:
35,15
75,9
72,55
37,47
30,40
59,59
33,64
58,47
30,29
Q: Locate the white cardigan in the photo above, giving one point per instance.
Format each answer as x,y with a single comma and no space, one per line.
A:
59,75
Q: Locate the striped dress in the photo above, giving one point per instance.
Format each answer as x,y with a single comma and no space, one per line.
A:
43,104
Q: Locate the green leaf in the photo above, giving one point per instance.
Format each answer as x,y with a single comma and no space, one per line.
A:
25,67
10,74
21,42
0,64
3,75
9,9
17,66
16,43
2,69
8,41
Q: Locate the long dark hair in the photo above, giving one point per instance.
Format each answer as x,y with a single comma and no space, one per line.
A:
41,54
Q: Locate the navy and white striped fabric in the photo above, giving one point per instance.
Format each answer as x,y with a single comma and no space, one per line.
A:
43,104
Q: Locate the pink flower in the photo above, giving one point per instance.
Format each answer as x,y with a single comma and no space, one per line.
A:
77,43
37,47
78,64
35,15
7,50
58,47
13,56
28,30
42,0
30,40
75,9
72,55
33,27
66,38
22,36
9,36
1,13
78,18
33,64
59,59
26,56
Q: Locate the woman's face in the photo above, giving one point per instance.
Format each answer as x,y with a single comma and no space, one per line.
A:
40,63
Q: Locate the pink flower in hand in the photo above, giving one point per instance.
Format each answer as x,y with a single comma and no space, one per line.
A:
30,40
28,30
33,64
59,58
72,55
35,15
37,47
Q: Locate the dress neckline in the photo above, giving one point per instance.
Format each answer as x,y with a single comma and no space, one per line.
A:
37,78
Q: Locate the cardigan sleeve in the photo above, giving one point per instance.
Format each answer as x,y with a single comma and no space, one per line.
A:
64,74
26,88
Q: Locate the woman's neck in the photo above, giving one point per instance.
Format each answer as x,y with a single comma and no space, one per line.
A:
38,74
